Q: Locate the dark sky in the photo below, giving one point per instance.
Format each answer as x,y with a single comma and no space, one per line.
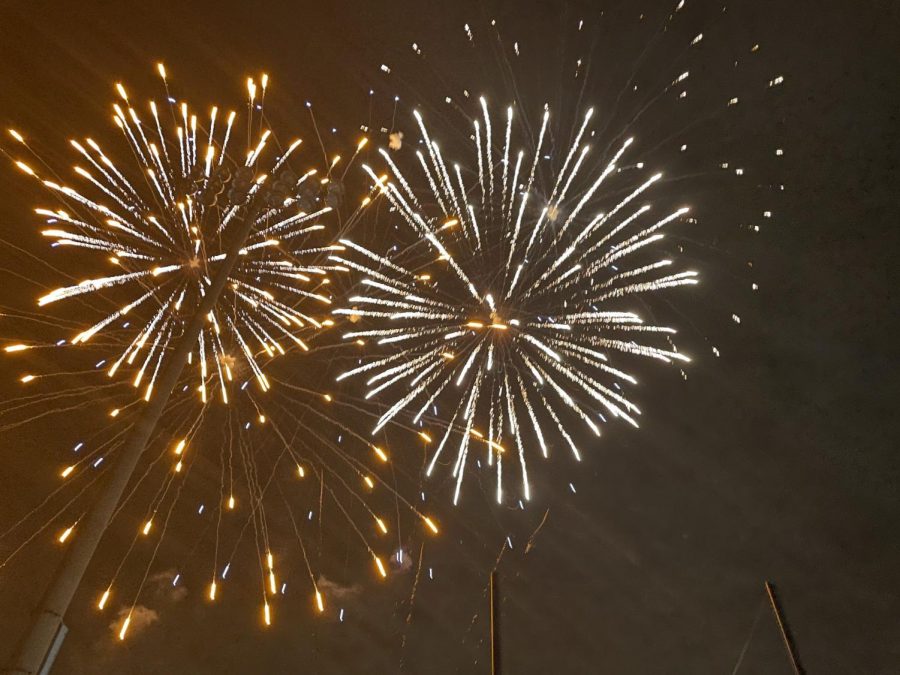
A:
777,461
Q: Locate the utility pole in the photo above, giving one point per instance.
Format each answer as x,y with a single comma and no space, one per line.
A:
784,630
38,647
495,625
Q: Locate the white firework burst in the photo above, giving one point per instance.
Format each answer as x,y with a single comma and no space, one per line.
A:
514,306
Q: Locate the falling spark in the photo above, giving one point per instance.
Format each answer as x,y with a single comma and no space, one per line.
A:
380,565
65,534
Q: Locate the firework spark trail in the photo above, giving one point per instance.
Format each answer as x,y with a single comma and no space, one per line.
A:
523,310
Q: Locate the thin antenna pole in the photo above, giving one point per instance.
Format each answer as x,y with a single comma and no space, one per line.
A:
495,626
783,628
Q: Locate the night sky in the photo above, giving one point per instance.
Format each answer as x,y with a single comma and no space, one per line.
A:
776,461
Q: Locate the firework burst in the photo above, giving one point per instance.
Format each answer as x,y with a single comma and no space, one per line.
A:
517,302
194,193
164,229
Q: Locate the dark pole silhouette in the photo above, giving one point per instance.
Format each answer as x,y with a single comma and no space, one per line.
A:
784,630
495,625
